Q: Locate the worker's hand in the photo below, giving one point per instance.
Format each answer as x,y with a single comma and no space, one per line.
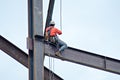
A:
46,36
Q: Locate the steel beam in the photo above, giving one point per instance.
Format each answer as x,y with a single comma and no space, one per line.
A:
86,58
50,12
13,51
21,56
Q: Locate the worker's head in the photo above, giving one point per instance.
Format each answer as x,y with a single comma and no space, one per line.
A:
52,23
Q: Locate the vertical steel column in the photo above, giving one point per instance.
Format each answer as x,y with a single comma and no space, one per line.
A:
35,13
30,37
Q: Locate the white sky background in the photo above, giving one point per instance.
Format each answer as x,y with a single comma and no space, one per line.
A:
90,25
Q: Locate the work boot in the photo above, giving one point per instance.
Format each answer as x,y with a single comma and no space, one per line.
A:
58,54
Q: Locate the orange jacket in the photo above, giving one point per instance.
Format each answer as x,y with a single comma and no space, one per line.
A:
54,31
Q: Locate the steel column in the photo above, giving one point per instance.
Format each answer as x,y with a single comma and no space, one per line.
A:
30,38
35,14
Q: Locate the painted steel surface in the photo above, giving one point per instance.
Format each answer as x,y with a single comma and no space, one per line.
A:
21,56
86,58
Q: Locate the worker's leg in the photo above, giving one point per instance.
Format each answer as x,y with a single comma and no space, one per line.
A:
62,44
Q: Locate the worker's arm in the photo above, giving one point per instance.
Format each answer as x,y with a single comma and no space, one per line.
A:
48,28
55,31
59,31
46,33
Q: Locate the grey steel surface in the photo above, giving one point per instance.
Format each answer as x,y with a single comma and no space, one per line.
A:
36,55
13,51
86,58
20,56
50,12
70,54
30,37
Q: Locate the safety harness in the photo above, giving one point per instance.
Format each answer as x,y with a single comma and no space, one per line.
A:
52,39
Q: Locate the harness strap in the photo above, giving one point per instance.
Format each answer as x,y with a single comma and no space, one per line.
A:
53,39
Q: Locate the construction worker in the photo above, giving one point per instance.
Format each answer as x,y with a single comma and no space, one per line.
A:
51,35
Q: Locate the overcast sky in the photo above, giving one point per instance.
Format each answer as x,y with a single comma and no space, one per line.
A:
90,25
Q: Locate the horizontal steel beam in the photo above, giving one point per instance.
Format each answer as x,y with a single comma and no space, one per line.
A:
86,58
21,56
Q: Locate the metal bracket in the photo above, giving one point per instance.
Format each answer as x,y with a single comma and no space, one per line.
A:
39,38
29,43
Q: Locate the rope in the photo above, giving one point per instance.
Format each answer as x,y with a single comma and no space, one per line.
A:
51,68
61,15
